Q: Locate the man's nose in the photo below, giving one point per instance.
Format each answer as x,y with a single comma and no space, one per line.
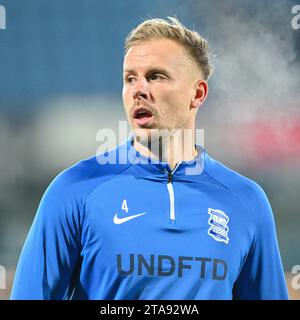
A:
141,89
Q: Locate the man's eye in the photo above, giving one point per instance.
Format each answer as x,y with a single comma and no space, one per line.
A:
156,76
130,79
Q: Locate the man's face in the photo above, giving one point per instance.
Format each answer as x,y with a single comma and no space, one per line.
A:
160,85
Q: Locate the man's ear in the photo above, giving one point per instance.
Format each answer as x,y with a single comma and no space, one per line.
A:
201,91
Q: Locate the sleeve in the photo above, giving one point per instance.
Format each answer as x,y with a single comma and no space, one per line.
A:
51,250
262,276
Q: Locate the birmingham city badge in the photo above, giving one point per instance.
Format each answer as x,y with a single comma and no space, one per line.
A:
218,229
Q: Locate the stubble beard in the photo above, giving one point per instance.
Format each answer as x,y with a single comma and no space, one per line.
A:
158,137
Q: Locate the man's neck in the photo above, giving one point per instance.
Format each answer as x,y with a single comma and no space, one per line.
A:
171,151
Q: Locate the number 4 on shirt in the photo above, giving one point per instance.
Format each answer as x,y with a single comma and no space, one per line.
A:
124,205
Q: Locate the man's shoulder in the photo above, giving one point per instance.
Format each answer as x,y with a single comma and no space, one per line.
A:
86,174
244,187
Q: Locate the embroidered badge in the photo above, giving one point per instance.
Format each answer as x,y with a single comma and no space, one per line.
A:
218,221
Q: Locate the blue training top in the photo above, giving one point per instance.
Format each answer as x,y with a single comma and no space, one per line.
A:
137,230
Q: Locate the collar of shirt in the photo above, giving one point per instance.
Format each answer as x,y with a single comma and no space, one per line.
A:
185,168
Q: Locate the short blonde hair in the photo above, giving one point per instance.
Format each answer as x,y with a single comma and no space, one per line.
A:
174,30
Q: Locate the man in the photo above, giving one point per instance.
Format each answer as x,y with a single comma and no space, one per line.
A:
171,223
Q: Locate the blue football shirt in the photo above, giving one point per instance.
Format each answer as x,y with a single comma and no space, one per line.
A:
137,230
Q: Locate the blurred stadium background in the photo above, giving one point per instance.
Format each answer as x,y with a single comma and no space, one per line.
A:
61,82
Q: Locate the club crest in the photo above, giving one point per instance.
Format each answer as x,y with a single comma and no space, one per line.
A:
218,229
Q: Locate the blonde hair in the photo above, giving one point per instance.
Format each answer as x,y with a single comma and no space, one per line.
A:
174,30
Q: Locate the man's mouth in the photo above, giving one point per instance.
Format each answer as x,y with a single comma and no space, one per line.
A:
142,116
142,113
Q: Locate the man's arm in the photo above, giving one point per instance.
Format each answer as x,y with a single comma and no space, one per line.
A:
262,275
52,247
